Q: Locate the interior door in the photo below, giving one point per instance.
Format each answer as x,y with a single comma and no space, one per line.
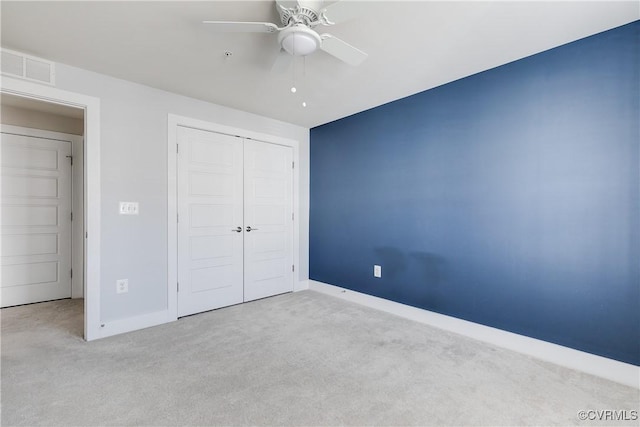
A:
235,220
210,264
268,218
35,219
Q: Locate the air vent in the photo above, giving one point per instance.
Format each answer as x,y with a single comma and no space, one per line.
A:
27,67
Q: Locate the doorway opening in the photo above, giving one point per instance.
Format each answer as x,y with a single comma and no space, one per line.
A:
42,202
44,101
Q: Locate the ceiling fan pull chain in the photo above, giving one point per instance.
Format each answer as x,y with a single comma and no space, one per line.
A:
293,70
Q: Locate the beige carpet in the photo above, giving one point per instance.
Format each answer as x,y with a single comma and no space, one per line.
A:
295,359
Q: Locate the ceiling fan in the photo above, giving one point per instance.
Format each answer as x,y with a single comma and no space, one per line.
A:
297,36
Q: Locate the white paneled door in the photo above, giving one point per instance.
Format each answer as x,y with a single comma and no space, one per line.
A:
35,219
268,217
234,220
209,221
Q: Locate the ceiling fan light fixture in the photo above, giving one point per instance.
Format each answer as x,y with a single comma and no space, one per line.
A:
299,40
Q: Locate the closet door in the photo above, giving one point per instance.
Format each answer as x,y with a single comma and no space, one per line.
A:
210,233
268,220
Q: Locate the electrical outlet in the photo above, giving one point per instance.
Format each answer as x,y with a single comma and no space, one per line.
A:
377,271
122,286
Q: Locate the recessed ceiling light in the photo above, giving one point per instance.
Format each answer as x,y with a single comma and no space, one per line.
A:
293,89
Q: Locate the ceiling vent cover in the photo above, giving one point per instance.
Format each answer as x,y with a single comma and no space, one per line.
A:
27,67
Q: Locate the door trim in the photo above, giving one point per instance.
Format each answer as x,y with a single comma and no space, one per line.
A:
92,197
173,121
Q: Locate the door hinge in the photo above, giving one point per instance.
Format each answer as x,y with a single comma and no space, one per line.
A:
293,268
177,286
71,216
70,158
177,148
71,273
293,165
291,216
177,217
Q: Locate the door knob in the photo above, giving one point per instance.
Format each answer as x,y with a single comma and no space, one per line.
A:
237,230
251,229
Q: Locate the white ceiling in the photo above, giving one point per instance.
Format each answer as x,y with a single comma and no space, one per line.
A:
412,46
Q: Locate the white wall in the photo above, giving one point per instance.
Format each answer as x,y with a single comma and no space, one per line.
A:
134,168
17,116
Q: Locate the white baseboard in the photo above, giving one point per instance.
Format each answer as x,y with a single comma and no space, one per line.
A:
301,285
148,320
130,324
620,372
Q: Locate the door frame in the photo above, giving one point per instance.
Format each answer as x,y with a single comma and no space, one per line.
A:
173,121
92,198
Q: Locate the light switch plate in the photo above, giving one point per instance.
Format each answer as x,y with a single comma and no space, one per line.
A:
129,208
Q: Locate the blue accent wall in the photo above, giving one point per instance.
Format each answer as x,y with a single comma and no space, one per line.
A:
508,198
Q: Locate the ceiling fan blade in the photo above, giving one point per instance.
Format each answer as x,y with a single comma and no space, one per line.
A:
342,50
242,27
282,62
342,11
